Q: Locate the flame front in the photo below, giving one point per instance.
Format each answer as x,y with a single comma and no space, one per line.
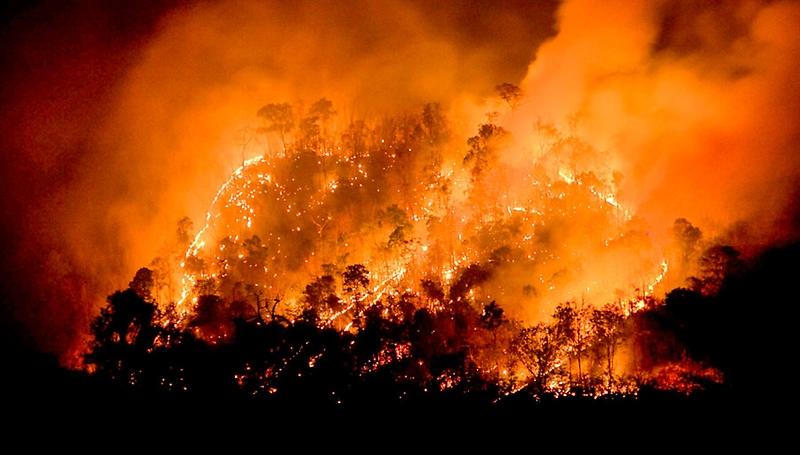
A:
407,206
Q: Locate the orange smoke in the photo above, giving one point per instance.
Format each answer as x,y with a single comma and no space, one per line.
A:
694,103
121,120
683,110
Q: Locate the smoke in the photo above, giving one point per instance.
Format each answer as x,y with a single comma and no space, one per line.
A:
120,121
693,103
686,109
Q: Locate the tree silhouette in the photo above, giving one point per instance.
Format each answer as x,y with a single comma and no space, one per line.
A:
310,132
492,316
122,334
321,296
472,276
279,118
356,277
537,349
322,108
688,237
126,320
312,127
434,123
433,290
143,283
483,148
607,326
183,233
509,93
573,329
716,263
211,318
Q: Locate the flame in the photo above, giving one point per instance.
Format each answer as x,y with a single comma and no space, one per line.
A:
294,206
237,200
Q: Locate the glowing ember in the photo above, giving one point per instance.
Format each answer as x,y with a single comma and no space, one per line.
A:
564,237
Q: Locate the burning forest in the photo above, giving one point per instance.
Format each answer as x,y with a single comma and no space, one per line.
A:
554,202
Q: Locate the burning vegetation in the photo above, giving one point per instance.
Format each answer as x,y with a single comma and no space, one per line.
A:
387,257
369,212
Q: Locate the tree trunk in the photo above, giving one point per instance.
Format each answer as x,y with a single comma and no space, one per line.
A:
274,306
569,368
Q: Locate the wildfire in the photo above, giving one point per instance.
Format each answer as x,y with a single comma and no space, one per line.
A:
515,238
237,198
277,223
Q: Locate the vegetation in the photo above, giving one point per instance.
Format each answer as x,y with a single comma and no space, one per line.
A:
355,335
406,352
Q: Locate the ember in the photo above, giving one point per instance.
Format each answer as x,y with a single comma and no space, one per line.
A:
394,201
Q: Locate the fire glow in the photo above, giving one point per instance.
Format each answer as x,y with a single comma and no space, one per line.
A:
236,214
461,184
289,222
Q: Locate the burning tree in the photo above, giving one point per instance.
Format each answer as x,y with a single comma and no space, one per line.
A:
607,325
538,349
391,263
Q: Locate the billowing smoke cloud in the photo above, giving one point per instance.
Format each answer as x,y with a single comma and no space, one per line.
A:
687,109
119,122
693,103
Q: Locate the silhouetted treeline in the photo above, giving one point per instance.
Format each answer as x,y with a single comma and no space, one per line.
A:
739,331
426,356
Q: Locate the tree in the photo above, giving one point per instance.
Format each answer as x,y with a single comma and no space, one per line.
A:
322,109
211,318
565,316
126,320
162,278
716,263
537,349
482,148
356,278
474,275
607,326
172,253
573,329
395,217
320,294
492,316
688,237
312,126
143,283
433,290
434,123
122,335
256,292
310,132
183,233
509,93
279,118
